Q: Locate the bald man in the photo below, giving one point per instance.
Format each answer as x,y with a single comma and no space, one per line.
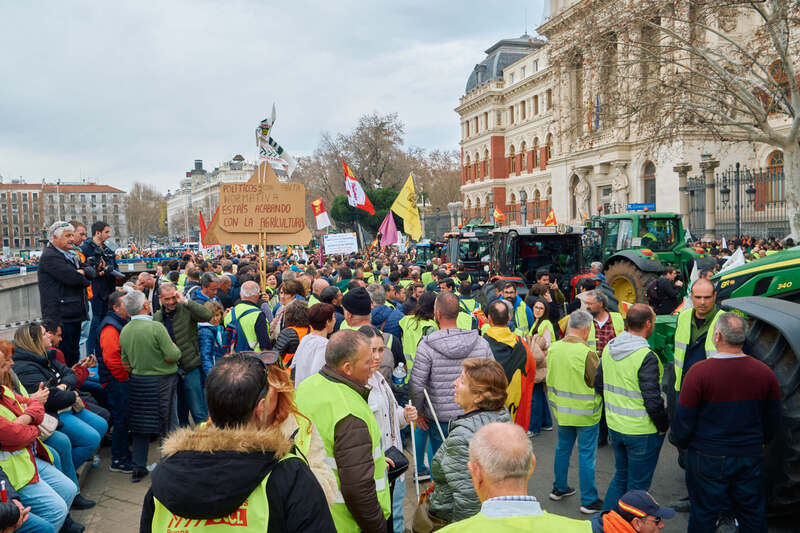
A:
501,461
317,287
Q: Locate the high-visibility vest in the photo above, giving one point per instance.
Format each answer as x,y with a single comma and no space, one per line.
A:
252,515
301,332
181,281
521,319
247,322
405,282
683,338
313,300
467,304
302,439
480,523
413,331
427,277
17,465
625,412
464,321
544,325
574,403
616,320
326,402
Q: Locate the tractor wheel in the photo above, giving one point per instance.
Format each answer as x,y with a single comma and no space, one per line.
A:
782,457
628,282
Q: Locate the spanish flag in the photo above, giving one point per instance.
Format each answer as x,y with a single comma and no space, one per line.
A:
499,216
551,219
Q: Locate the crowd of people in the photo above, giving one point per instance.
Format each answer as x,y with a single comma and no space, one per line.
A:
290,396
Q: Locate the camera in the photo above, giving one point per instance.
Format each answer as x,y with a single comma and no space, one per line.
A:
95,260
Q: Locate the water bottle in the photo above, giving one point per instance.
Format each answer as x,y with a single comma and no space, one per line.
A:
96,461
399,374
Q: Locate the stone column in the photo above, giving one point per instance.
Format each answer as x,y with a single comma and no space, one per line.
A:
683,187
583,191
707,165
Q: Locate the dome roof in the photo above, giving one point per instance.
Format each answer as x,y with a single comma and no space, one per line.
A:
238,157
499,56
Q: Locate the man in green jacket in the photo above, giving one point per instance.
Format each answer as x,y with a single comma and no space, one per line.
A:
151,357
181,316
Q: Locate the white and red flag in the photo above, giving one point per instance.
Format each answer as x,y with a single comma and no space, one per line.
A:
320,214
356,196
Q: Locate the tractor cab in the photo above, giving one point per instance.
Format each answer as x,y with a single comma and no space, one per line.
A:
519,251
471,249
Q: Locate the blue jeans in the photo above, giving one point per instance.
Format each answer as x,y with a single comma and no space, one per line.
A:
99,312
540,411
50,498
117,393
84,429
61,446
587,449
718,483
636,458
192,398
428,440
398,497
83,343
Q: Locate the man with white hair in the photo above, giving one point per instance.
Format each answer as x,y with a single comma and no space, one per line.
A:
151,359
500,463
596,270
252,328
62,287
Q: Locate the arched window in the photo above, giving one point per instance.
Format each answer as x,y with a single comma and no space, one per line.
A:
469,169
522,154
537,208
535,152
573,208
549,146
485,162
511,155
775,177
649,183
477,164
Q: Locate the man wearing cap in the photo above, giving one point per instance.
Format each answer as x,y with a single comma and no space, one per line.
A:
636,511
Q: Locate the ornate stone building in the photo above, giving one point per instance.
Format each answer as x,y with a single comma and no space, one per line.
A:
534,137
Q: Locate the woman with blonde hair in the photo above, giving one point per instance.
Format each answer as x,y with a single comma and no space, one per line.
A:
481,391
296,426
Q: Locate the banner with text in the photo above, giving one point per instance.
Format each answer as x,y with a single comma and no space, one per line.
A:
340,243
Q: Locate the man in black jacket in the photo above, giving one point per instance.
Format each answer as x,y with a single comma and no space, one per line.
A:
62,288
667,292
222,473
101,257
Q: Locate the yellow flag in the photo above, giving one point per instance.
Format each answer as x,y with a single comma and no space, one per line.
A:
405,206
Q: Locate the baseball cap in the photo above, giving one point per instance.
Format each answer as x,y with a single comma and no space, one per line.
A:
639,503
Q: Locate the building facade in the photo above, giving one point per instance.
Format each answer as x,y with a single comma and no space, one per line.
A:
533,138
199,192
28,209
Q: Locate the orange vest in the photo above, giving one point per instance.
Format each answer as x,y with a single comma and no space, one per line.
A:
614,523
82,257
301,332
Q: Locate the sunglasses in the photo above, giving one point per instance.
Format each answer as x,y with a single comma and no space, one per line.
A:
656,520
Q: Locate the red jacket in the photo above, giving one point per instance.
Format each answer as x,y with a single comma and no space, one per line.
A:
15,437
112,353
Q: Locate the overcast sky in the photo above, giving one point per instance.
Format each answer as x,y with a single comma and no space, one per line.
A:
135,91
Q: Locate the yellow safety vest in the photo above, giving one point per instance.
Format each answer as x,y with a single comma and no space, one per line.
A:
251,516
480,523
521,319
426,278
544,325
181,281
616,320
18,465
625,412
326,403
464,321
247,323
302,439
574,403
413,331
683,337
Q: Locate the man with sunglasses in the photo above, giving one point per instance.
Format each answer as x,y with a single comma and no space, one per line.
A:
636,512
236,472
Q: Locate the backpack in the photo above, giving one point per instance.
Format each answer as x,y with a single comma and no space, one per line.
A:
651,292
233,338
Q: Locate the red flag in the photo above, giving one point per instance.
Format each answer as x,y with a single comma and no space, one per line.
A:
356,196
203,228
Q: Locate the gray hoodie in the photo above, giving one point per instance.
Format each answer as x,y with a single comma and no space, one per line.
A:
438,364
625,344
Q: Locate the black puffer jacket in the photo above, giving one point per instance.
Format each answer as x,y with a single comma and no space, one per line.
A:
32,369
62,289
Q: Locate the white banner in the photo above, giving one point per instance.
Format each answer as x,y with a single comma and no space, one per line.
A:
340,243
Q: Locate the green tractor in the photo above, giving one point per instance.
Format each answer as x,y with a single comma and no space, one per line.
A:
636,247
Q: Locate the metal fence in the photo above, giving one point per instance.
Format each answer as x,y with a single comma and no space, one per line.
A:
435,225
752,200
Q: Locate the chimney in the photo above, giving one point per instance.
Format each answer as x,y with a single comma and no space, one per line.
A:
198,165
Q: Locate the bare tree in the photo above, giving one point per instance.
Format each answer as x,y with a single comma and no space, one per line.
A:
144,212
676,70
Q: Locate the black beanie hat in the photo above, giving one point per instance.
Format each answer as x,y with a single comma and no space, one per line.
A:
357,301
